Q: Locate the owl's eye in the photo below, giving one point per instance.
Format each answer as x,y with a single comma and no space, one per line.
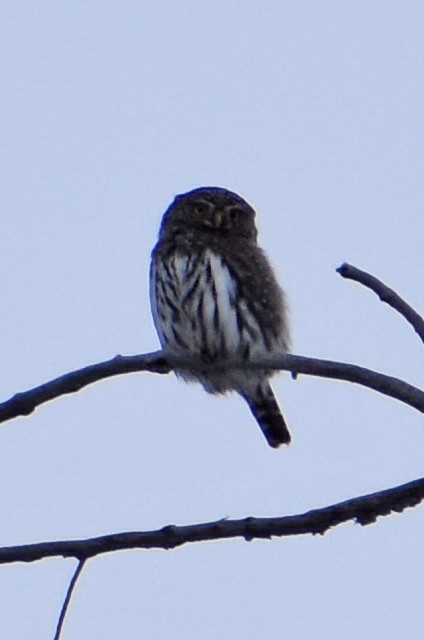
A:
234,213
201,208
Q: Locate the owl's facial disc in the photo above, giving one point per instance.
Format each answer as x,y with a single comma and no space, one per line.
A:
216,217
214,211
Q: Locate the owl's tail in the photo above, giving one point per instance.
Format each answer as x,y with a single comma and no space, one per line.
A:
267,413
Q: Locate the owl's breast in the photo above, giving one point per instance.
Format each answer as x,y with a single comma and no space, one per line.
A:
198,308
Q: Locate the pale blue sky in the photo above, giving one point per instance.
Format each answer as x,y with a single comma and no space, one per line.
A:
313,111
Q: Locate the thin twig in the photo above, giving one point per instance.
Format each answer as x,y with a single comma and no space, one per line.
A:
68,597
364,510
385,294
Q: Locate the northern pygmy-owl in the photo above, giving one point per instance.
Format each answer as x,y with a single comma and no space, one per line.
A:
214,297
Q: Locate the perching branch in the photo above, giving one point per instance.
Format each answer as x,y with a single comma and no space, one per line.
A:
385,294
364,510
23,404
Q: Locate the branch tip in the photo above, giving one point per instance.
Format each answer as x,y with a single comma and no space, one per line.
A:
344,267
386,295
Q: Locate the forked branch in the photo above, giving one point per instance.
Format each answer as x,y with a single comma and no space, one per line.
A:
364,509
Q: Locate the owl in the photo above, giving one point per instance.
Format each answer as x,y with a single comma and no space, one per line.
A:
215,298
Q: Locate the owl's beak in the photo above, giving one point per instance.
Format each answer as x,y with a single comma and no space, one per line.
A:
217,218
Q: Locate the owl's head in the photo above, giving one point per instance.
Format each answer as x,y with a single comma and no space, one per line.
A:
213,211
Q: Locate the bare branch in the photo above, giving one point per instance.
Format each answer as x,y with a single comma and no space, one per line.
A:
364,510
385,294
68,597
23,404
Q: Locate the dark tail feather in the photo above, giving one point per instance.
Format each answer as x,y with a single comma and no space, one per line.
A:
265,409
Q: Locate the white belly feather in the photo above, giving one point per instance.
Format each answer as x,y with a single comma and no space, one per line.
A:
197,309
